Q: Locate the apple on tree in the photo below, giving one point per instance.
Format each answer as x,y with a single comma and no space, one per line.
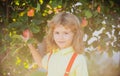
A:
84,22
31,12
26,34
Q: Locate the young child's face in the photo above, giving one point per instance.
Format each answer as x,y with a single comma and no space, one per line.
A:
63,36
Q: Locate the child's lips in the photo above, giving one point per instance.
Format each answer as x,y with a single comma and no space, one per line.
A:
61,41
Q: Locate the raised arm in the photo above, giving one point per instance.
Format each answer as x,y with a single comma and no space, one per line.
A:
35,53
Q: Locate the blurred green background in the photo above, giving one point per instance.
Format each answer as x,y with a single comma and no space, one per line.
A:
101,25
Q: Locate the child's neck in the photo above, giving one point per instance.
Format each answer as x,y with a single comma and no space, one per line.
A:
64,47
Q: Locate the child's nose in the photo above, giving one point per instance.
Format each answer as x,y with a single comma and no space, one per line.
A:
61,36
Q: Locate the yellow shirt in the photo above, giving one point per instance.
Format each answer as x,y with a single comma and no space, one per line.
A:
59,60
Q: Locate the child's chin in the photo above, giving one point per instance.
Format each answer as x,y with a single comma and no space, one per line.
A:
62,47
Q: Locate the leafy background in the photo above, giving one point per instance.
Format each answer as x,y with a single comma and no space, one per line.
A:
101,24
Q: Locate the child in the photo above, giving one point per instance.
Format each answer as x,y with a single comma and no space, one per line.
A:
64,43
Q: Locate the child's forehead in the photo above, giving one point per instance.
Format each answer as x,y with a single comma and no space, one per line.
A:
62,26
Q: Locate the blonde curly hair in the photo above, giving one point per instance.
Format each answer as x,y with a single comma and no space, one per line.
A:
67,20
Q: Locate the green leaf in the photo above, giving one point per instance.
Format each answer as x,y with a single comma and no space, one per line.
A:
36,21
15,24
38,7
111,3
88,14
34,28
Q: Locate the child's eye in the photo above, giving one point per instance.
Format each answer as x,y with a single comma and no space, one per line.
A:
56,32
66,33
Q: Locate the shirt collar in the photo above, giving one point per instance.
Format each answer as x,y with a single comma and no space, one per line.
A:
64,51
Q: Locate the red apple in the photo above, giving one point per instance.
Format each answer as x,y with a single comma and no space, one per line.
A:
84,22
30,12
26,33
98,9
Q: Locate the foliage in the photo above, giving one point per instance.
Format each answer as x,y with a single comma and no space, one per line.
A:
99,16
